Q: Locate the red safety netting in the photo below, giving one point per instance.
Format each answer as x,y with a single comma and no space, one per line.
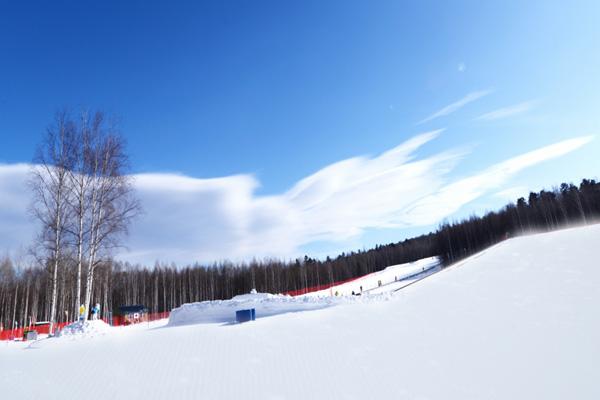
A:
20,333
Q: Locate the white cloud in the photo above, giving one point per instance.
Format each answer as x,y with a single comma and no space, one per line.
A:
508,111
462,67
449,109
451,197
15,228
188,219
209,219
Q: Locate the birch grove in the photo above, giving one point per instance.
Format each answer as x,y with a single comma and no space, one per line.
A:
83,199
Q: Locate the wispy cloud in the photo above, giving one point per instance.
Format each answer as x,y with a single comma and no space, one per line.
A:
446,201
508,111
449,109
189,219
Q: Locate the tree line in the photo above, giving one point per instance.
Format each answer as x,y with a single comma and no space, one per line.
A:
26,293
83,200
547,210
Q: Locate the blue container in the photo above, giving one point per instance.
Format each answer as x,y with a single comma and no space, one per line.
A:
245,315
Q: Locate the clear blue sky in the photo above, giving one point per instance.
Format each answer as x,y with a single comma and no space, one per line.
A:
279,90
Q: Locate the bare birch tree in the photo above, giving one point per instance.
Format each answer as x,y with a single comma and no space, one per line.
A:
83,199
111,200
49,183
80,183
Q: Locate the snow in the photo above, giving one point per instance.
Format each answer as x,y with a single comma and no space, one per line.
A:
267,305
396,276
518,321
223,311
85,329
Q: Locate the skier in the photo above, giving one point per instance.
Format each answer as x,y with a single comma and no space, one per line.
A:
95,311
82,312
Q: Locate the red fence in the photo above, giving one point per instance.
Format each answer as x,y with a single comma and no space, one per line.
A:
12,334
19,333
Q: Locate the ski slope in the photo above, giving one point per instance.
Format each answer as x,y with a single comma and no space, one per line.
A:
517,321
374,286
387,280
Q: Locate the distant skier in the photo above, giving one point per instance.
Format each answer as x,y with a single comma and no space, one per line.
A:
95,311
82,312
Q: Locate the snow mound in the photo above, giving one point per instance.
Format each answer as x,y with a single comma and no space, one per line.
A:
266,305
375,286
252,296
85,329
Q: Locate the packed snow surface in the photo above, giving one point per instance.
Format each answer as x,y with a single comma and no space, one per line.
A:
266,305
390,279
517,321
374,286
85,329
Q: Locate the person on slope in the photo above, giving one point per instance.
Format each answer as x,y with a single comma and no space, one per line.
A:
95,311
82,312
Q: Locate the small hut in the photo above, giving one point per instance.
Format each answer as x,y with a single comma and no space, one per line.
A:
127,315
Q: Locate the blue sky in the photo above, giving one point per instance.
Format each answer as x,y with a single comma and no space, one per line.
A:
264,94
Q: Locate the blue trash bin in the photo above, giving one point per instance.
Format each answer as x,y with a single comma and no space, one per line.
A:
245,315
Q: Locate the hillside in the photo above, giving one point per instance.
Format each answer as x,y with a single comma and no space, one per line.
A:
517,321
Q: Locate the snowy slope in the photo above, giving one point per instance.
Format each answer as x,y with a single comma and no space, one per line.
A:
396,275
266,304
519,321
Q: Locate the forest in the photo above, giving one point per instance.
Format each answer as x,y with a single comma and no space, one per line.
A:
25,292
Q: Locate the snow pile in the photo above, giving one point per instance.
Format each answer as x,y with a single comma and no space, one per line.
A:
266,305
85,329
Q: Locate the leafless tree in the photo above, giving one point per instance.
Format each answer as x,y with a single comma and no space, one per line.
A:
49,182
111,202
84,201
80,184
